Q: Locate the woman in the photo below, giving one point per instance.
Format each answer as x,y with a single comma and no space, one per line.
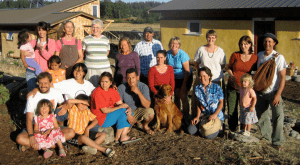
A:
68,48
126,58
211,56
43,48
179,60
240,62
161,73
107,105
209,98
96,48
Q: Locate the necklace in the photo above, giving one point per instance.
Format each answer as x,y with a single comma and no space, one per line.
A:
212,53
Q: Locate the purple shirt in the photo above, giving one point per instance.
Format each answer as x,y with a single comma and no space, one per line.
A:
125,62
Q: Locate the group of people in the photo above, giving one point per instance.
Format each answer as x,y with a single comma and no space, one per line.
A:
73,76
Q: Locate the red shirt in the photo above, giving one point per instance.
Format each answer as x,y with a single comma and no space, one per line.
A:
103,99
155,78
239,67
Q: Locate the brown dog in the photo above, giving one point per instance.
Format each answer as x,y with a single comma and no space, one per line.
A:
167,115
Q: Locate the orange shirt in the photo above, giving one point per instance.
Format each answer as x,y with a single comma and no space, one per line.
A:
79,120
239,67
57,76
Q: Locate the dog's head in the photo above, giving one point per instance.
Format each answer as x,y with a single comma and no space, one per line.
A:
163,91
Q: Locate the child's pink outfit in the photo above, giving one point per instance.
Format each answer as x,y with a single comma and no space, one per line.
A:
30,59
247,117
52,138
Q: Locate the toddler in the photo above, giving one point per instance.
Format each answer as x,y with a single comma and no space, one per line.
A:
247,104
56,72
46,130
24,44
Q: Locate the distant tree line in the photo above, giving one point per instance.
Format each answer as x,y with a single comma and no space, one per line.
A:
121,11
21,4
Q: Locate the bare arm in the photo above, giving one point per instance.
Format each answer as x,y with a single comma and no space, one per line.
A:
119,105
197,66
186,68
29,126
195,120
108,52
22,52
80,56
57,53
55,124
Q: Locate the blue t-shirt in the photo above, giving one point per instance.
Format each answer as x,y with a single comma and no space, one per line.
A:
211,100
177,61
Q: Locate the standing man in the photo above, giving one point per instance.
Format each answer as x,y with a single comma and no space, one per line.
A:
271,97
26,139
137,96
147,52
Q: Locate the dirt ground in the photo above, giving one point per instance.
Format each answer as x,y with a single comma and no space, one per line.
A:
160,148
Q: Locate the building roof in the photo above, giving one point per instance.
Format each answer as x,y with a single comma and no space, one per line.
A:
224,4
52,13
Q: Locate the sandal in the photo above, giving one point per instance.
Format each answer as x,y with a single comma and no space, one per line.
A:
66,147
279,148
47,153
131,140
109,152
22,148
62,153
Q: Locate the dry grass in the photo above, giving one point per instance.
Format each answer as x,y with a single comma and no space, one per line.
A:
130,27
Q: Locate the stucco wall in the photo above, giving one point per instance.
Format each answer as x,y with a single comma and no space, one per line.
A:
228,34
289,46
87,8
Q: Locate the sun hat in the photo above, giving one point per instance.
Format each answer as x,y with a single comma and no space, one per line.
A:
270,35
209,127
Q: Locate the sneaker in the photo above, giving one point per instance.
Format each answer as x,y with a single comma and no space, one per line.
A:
90,150
109,152
246,133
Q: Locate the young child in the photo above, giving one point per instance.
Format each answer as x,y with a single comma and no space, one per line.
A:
46,130
247,104
56,72
78,119
24,45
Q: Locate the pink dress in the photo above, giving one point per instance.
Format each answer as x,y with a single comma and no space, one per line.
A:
52,138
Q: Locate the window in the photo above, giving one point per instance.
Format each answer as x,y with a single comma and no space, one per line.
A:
9,36
194,27
95,10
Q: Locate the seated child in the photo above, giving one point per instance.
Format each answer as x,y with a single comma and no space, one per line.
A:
78,119
46,130
24,44
56,72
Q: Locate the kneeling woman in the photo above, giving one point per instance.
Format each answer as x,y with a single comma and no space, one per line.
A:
107,105
210,99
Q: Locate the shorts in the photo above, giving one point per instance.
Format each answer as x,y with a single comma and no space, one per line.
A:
179,82
247,117
141,114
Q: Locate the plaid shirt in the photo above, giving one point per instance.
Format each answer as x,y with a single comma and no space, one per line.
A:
147,53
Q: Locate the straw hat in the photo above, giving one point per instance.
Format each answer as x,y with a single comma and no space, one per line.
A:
207,127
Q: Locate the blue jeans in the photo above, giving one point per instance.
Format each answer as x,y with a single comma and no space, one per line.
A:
31,79
117,117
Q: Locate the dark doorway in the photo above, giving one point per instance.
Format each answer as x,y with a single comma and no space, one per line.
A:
260,28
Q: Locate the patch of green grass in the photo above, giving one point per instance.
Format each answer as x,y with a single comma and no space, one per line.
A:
222,158
10,122
16,63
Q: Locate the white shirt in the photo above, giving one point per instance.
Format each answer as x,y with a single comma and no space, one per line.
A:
211,60
72,88
280,65
55,96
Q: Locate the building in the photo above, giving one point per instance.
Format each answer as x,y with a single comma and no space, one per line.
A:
191,19
81,12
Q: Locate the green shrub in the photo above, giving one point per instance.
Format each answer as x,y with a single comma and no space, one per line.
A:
11,52
4,93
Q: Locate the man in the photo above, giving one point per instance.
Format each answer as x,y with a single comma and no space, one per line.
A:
147,52
272,95
26,139
136,95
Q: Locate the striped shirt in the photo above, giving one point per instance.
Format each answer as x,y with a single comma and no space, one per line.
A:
78,120
147,53
96,52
